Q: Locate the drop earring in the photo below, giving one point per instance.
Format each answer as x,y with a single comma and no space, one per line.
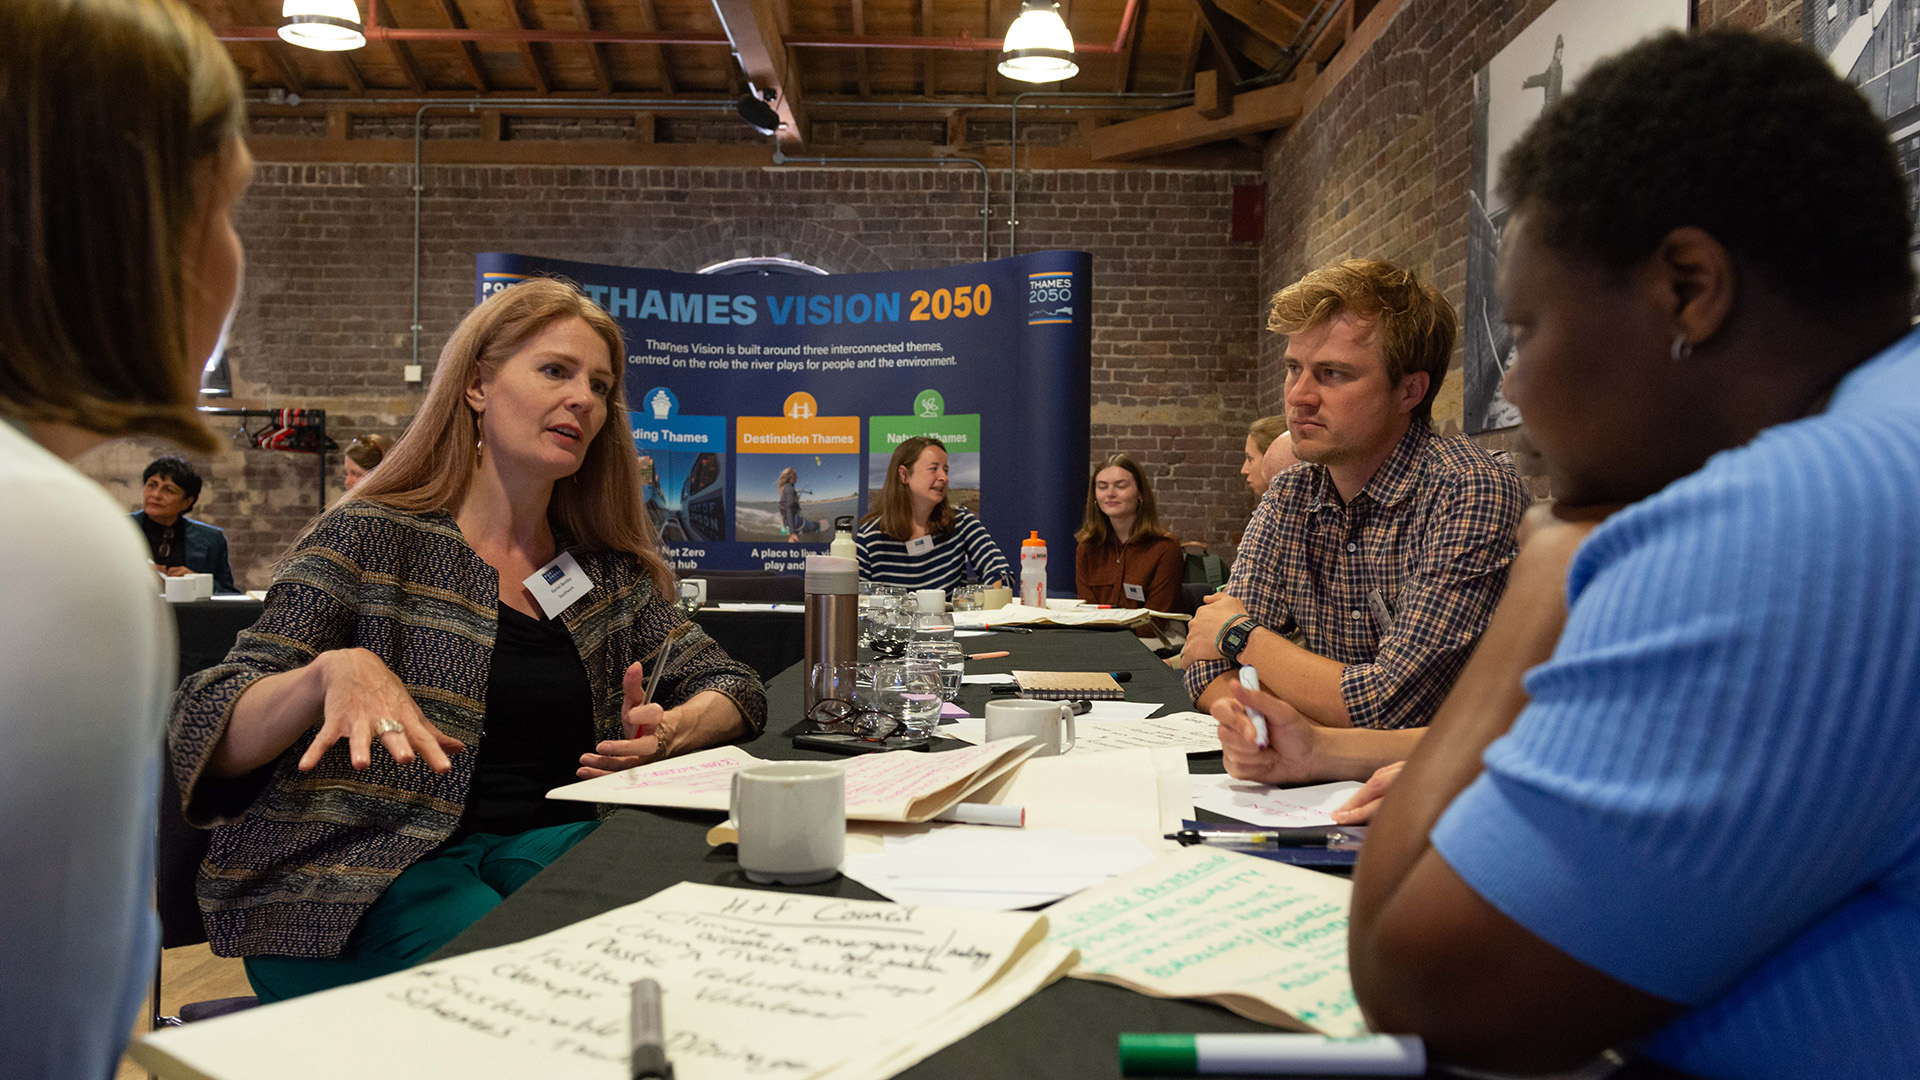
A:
1682,349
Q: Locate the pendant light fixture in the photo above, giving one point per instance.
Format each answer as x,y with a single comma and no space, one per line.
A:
326,25
1038,49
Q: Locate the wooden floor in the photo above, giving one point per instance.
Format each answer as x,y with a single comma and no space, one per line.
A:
189,974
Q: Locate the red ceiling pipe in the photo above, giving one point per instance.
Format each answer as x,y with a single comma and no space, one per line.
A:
963,43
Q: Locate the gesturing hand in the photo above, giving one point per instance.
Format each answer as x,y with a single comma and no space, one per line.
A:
640,720
1359,809
1215,611
361,692
1288,757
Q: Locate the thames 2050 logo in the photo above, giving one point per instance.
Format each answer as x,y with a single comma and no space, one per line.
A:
1050,298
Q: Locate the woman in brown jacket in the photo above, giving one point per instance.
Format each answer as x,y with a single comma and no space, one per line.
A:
1126,558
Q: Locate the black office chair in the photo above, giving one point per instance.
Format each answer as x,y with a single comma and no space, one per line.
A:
181,847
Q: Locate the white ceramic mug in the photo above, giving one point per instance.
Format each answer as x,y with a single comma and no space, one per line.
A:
180,590
792,819
930,601
1050,721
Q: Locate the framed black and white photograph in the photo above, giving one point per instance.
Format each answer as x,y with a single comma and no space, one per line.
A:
1521,80
1875,45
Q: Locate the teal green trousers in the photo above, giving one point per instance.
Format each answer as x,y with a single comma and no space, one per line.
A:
428,905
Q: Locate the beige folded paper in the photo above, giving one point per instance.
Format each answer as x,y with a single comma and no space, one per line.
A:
754,984
1022,615
900,785
1264,939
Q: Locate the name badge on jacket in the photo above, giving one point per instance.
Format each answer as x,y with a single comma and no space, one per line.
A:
558,584
920,545
1135,592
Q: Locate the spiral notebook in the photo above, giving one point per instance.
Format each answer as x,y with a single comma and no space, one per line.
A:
1063,685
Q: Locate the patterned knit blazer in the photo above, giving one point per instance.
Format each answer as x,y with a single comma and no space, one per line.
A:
296,858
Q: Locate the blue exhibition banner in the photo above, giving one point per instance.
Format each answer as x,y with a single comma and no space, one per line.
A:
740,386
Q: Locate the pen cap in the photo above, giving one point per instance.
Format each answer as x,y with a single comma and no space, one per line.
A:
1158,1055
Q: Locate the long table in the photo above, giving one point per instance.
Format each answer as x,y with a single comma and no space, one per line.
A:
1067,1030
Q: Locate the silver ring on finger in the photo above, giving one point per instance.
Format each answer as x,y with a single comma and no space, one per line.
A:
387,725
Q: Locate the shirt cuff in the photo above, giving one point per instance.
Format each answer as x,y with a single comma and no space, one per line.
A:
1552,868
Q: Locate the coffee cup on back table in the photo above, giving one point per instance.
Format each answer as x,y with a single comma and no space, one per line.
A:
792,820
1049,721
995,599
180,590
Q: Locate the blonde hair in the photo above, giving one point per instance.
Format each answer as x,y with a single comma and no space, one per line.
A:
115,108
599,507
1414,322
366,450
1096,529
893,509
1266,429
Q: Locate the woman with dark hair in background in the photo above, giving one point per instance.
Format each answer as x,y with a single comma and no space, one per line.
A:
494,577
360,458
914,538
179,545
1126,557
119,265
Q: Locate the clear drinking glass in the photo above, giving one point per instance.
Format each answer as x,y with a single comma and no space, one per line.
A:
891,630
874,597
909,690
966,598
933,627
951,659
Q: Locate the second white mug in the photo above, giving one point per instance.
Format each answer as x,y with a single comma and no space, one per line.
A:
792,819
1049,721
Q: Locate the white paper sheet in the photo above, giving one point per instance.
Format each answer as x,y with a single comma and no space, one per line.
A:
1267,940
1021,615
901,785
995,869
732,606
754,984
1259,804
1188,732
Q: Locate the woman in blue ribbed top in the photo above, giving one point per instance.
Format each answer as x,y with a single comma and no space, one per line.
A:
914,538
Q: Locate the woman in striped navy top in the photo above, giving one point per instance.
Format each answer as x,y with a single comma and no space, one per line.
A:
914,538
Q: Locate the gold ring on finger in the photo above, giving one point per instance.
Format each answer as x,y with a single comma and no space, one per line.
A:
387,725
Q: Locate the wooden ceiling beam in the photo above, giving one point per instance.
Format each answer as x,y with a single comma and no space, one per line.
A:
1259,19
754,30
534,71
469,52
355,80
650,22
1213,23
1338,29
596,54
401,54
1129,54
860,55
1177,129
926,58
283,65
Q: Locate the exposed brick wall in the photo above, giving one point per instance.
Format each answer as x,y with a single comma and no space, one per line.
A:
326,311
1383,167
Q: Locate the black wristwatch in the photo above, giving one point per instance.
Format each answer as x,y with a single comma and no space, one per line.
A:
1234,636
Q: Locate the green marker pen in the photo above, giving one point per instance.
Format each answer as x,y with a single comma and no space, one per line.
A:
1271,1055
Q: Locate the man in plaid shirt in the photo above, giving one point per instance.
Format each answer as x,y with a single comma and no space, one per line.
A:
1386,549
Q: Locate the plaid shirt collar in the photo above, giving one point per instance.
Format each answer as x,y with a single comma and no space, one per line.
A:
1389,484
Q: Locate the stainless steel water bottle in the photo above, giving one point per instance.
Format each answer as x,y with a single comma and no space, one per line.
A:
833,623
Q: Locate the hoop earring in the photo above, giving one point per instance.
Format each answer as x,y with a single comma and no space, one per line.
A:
1682,349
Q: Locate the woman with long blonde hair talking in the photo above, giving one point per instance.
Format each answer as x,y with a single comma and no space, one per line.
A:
462,632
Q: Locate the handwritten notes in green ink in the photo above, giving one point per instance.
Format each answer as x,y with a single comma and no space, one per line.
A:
754,984
1266,940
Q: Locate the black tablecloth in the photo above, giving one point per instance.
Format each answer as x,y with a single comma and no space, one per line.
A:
1069,1029
207,629
769,642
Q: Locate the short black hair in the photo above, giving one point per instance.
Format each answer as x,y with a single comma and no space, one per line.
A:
1751,138
177,469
